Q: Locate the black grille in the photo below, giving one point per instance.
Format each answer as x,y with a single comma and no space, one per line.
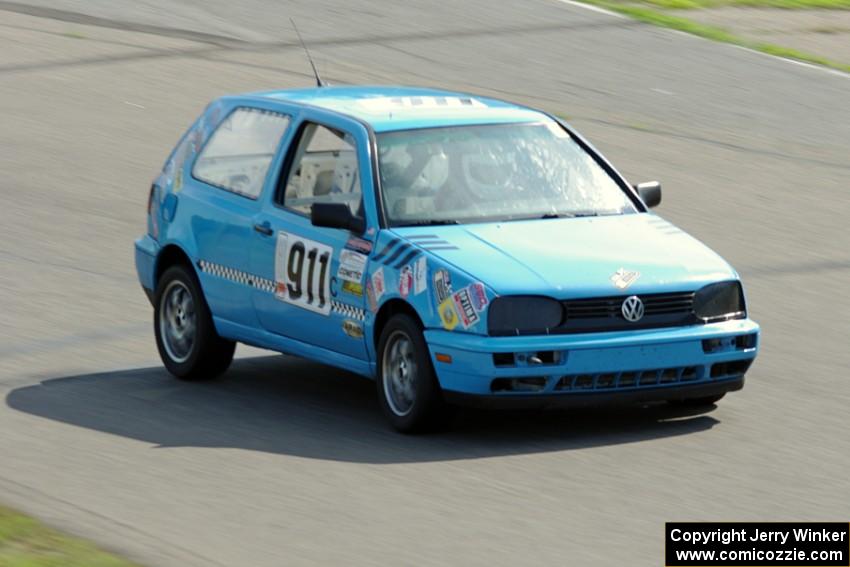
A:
654,304
605,313
635,379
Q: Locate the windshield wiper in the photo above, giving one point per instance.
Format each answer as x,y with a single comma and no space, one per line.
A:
602,213
576,214
538,217
428,222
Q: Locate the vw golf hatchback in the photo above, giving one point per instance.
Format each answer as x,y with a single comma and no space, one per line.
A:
456,249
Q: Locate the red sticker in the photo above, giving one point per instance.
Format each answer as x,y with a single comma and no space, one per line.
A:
478,295
405,281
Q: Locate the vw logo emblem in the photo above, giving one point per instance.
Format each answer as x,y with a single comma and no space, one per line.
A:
632,309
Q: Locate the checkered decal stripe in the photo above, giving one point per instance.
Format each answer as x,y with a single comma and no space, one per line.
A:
348,311
264,285
237,276
244,278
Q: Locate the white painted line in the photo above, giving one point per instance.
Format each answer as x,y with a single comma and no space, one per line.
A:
800,63
592,8
794,61
599,10
684,34
127,102
836,72
662,91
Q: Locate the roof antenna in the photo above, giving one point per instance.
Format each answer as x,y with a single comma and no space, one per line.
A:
319,81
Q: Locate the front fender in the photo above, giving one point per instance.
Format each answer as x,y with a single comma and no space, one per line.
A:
443,296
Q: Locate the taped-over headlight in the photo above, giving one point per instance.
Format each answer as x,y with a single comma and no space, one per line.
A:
523,315
720,302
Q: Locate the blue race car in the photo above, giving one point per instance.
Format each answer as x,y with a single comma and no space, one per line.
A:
457,249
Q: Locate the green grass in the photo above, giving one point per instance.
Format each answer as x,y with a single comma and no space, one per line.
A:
651,16
25,542
829,29
782,4
789,53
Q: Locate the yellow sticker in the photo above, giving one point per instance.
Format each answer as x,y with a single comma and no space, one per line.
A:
353,288
448,315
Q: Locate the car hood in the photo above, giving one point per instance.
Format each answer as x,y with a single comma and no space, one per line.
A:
574,257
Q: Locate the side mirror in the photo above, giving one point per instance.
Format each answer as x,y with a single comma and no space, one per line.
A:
336,215
650,193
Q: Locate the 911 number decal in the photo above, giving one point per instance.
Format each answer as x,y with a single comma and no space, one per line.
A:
302,272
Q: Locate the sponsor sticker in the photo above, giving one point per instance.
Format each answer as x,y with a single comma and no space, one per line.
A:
420,275
352,328
215,113
405,281
370,296
623,278
378,284
351,266
478,296
353,288
280,256
181,153
168,171
463,304
448,314
442,285
197,137
359,244
301,272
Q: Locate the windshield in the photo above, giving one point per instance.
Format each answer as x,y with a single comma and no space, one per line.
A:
498,172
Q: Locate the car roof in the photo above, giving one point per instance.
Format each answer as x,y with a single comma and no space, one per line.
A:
387,108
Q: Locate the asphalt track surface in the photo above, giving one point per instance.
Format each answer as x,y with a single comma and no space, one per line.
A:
286,462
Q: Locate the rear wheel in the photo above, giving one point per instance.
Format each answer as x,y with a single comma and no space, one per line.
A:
185,335
408,390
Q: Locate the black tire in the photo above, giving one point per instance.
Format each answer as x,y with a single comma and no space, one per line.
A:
699,402
207,355
427,410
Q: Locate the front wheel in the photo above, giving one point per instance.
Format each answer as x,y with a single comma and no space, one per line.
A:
185,335
408,390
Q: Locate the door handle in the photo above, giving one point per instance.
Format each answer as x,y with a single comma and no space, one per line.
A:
264,228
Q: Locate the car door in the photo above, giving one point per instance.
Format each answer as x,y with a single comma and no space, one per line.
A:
317,273
221,187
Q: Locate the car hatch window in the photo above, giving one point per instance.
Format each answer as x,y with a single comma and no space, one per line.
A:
324,170
239,152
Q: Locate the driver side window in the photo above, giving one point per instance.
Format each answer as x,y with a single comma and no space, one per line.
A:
324,170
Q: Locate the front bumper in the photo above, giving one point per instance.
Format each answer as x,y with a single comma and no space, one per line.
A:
595,368
594,399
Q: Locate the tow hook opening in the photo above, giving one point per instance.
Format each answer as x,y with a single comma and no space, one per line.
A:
526,384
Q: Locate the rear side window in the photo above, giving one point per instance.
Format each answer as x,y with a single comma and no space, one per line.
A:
237,156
